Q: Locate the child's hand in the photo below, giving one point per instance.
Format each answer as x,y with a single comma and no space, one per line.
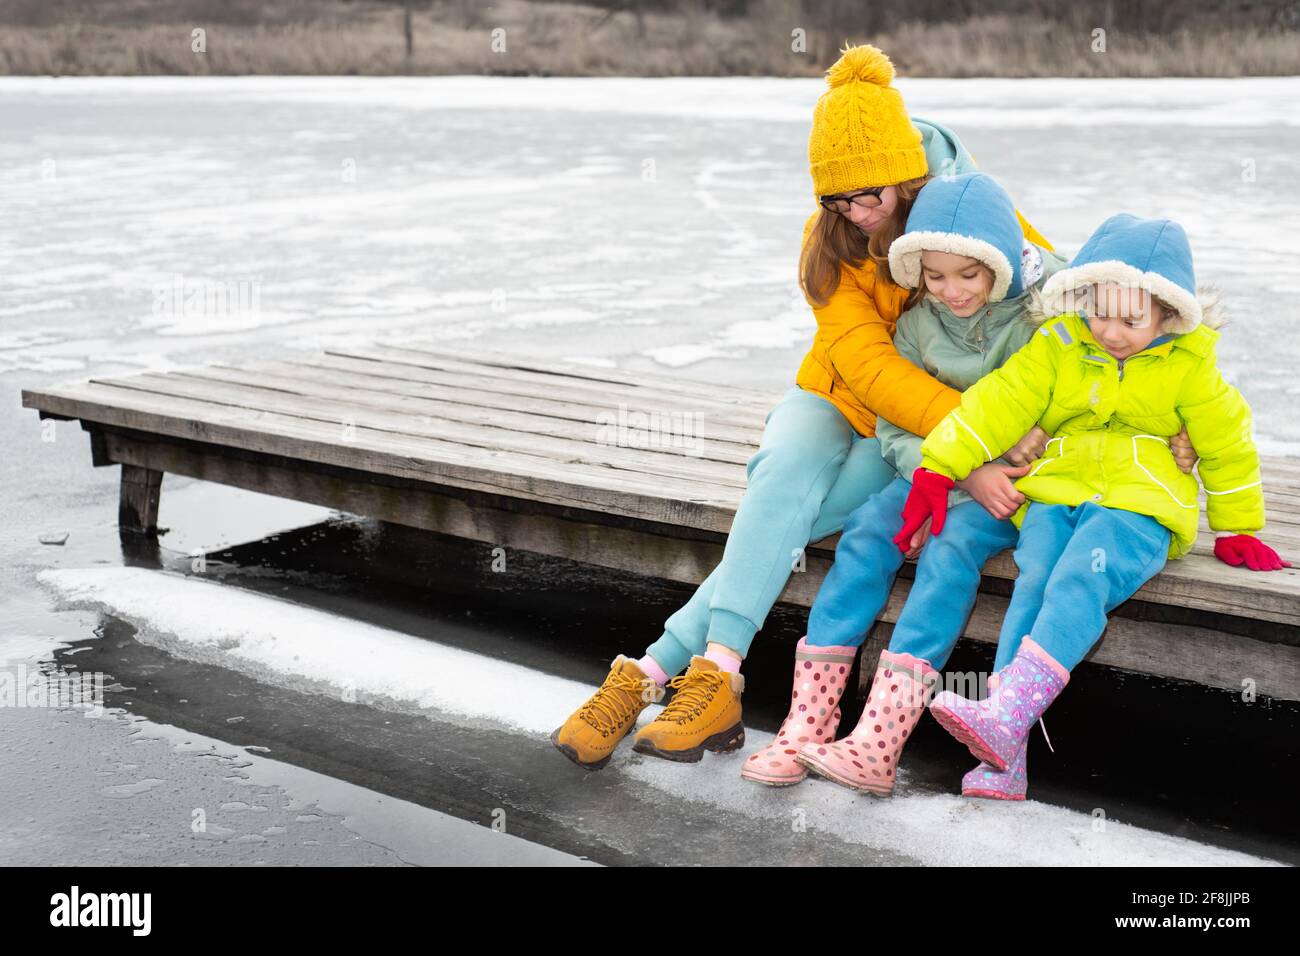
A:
1247,549
927,499
991,486
1184,454
919,538
1029,449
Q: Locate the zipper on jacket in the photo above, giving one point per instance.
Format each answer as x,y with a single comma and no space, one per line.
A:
1121,363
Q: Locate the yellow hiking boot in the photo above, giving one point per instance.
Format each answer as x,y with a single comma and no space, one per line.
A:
591,733
703,715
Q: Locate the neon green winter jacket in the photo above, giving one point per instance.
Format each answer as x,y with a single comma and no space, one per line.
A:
1107,420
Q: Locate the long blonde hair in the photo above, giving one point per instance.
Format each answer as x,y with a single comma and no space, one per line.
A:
834,241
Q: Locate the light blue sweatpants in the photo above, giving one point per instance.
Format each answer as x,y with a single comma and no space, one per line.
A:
1077,563
947,577
812,470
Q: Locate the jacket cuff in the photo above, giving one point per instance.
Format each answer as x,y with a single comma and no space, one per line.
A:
929,464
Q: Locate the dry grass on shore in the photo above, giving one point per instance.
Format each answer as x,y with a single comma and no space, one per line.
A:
573,39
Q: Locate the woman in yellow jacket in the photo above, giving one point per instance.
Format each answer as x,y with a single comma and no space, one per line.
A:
1131,358
819,459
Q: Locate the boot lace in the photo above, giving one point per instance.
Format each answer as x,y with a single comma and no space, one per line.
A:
694,691
616,700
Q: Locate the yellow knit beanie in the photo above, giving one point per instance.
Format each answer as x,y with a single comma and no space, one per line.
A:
861,133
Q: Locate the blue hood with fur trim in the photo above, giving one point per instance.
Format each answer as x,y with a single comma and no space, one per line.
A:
969,215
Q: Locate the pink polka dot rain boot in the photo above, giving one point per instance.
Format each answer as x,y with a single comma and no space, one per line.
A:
820,675
995,729
866,758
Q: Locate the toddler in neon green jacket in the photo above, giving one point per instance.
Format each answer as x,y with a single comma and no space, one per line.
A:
1106,505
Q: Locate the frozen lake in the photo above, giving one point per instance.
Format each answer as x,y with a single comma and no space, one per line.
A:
648,224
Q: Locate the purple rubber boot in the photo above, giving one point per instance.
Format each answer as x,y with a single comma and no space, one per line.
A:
995,729
988,782
992,784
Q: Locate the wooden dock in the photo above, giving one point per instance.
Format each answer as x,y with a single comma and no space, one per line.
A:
616,469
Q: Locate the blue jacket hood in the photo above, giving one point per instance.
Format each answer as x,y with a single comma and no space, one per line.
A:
970,215
1150,254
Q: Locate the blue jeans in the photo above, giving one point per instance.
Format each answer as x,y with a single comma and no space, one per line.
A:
947,577
1077,563
811,471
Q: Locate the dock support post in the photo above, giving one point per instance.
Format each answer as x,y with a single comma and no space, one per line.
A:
137,510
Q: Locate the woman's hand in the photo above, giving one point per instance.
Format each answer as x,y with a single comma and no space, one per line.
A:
1184,454
1030,448
991,486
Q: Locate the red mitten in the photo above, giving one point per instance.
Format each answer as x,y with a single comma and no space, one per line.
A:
1247,549
927,499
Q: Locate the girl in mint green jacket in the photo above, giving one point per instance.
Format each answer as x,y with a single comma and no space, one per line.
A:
1106,506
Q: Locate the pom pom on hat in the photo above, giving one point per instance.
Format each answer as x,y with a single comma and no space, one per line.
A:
866,63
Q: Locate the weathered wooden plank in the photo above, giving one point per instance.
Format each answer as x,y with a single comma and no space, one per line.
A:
671,501
742,420
429,507
638,433
648,463
471,402
518,394
411,365
1281,527
501,363
1284,466
1279,479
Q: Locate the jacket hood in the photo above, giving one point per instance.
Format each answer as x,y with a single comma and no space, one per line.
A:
969,215
944,153
1150,254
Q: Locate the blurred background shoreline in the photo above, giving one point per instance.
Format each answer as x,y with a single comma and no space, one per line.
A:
925,38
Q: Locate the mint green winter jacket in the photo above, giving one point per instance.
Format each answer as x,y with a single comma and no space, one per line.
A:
958,352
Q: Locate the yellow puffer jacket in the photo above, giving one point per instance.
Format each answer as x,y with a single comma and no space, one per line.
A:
853,362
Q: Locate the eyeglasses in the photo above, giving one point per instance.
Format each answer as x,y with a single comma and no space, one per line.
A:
866,199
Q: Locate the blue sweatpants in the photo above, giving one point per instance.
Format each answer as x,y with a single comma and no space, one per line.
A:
1077,563
947,577
811,471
